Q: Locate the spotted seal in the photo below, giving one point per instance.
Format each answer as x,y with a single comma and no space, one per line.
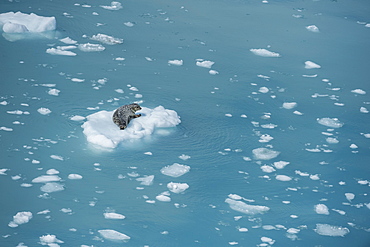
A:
123,115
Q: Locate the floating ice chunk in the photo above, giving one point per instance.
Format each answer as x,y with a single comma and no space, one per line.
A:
20,218
56,157
175,170
146,180
264,53
213,72
20,23
50,240
128,24
243,229
358,91
106,39
264,153
68,41
281,164
332,140
204,63
321,209
4,102
44,111
330,122
311,65
74,176
52,172
6,128
184,157
284,178
46,179
77,118
242,207
3,171
177,187
54,91
268,240
289,105
235,196
265,138
349,196
313,28
52,187
113,6
163,198
114,216
364,110
329,230
119,90
175,62
55,51
314,177
263,90
267,169
100,129
91,47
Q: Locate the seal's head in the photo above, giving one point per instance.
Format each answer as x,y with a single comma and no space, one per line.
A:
135,107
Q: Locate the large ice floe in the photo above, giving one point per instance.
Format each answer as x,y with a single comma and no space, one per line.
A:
100,130
245,208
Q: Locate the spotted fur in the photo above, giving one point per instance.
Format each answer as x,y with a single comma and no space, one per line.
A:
123,115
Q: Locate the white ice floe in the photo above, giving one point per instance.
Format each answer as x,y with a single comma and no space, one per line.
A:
77,118
204,63
330,122
113,6
146,180
283,178
175,170
100,129
177,187
106,39
44,111
264,53
332,140
129,24
54,92
56,51
264,153
184,157
311,65
22,23
91,47
50,240
268,240
281,164
364,109
163,198
263,90
321,209
313,28
52,171
267,169
242,207
329,230
74,176
56,157
175,62
52,187
6,128
349,196
114,216
358,91
213,72
46,179
265,138
68,41
289,105
20,218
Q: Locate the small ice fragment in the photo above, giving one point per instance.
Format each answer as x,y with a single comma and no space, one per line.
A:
264,153
55,51
330,122
74,176
321,209
267,169
313,28
113,6
50,240
263,90
175,170
283,178
54,91
349,196
265,138
242,207
148,153
163,198
289,105
243,229
364,110
114,216
353,146
184,157
91,47
332,140
204,63
52,187
52,171
44,111
311,65
264,53
128,24
113,235
68,41
46,179
119,90
175,62
358,91
146,180
177,187
56,157
106,39
77,118
281,164
329,230
268,240
20,218
213,72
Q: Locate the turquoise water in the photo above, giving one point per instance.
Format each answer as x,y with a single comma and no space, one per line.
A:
226,116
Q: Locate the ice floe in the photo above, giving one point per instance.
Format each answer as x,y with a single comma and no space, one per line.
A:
329,230
175,62
50,240
163,198
100,130
46,179
289,105
321,209
146,180
204,63
44,111
330,122
56,51
68,41
20,218
175,170
77,118
264,53
91,47
113,6
245,208
358,91
74,176
54,92
114,216
264,153
283,178
313,28
20,23
177,187
52,187
311,65
106,39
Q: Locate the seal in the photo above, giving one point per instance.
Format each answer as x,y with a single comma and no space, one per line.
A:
123,115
